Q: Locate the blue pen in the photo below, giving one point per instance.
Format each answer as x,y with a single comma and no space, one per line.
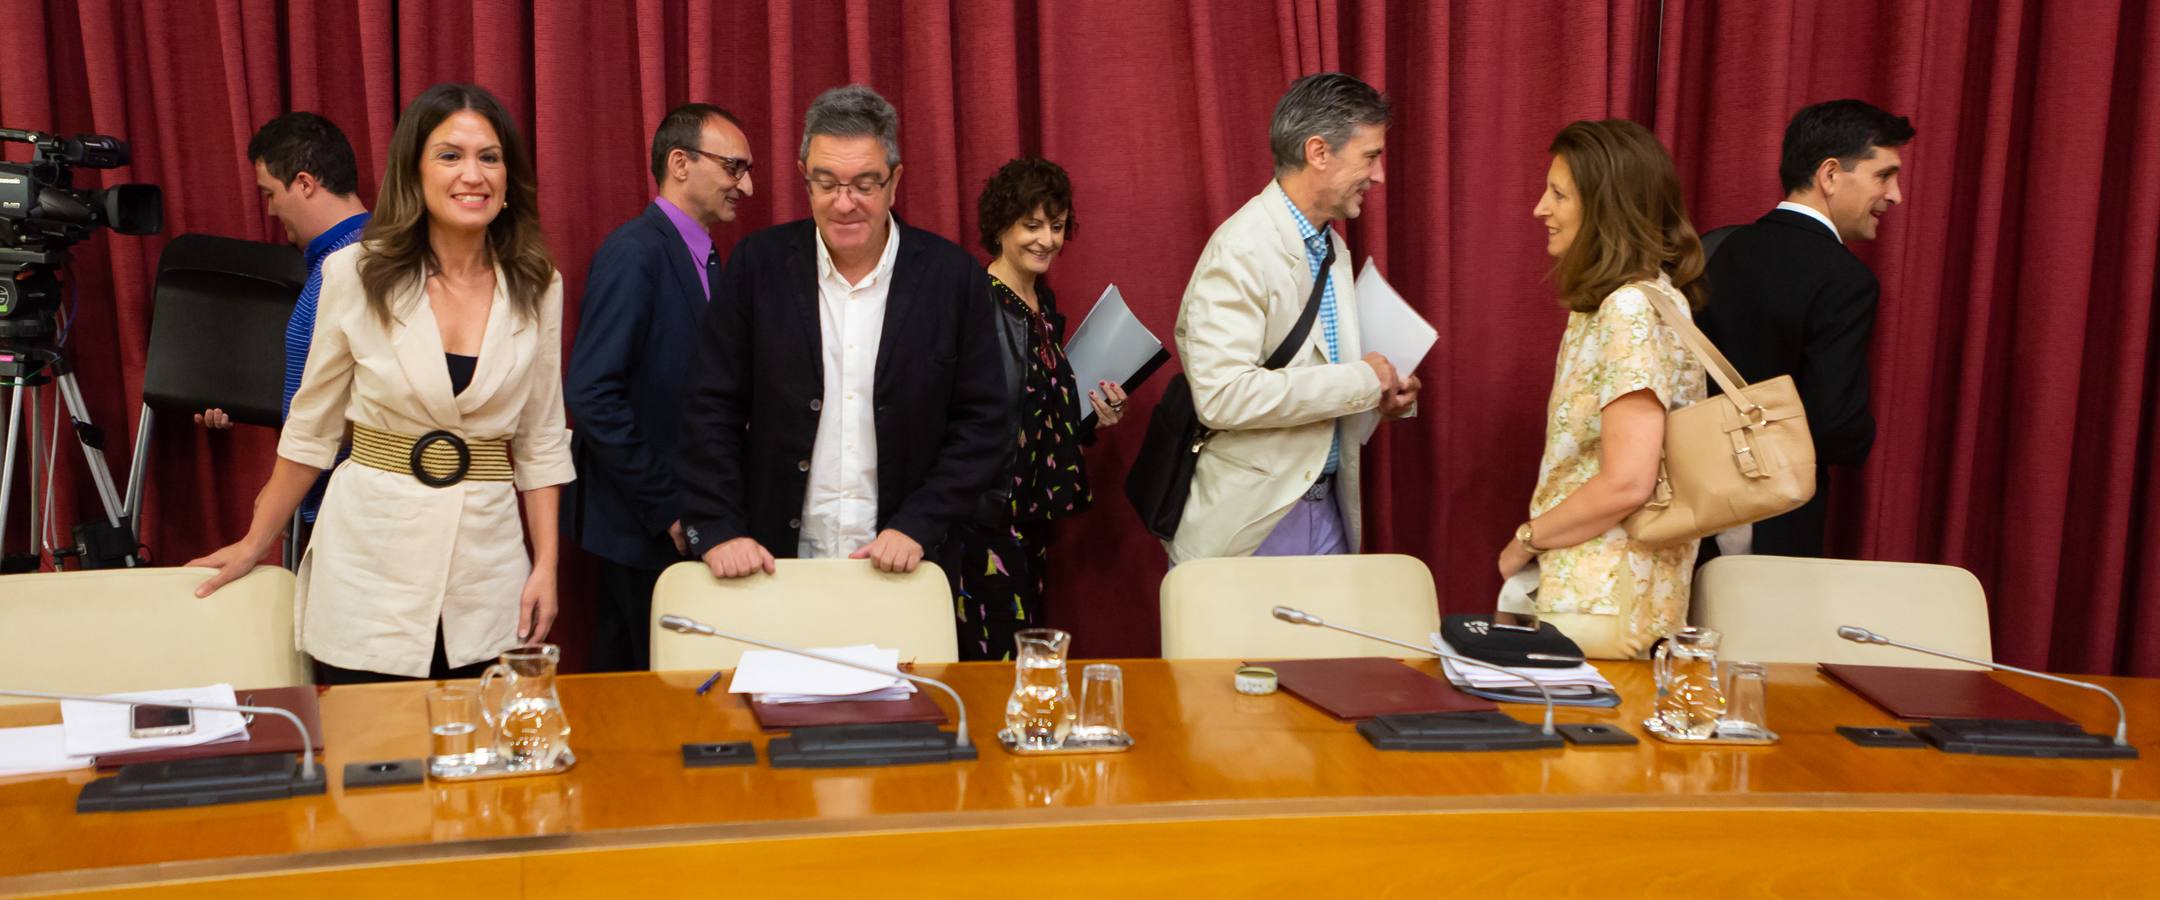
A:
709,682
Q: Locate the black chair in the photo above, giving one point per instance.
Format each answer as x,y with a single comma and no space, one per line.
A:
217,333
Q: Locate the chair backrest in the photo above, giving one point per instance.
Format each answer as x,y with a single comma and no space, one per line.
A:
1220,608
104,631
215,294
805,603
1783,609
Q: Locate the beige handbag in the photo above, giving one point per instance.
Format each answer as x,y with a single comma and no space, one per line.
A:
1733,459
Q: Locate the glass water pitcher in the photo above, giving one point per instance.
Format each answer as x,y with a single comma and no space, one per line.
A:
530,729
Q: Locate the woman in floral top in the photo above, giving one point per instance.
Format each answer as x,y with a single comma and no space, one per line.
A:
1026,214
1618,231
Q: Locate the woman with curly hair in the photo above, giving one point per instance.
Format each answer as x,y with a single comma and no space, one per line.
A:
1026,215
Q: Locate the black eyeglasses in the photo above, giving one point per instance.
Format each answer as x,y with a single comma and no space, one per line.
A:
736,166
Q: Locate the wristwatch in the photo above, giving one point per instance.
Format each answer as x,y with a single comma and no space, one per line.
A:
1523,536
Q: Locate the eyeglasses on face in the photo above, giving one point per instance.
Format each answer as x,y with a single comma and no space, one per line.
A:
862,187
736,166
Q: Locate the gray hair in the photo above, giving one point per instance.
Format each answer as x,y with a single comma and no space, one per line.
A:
853,110
1329,104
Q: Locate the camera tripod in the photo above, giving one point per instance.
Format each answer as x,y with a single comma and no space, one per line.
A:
98,544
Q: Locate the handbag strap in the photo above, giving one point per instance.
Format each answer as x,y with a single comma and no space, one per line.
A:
1303,329
1721,370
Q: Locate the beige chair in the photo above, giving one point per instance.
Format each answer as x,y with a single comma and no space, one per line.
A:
805,603
1782,609
1220,608
112,630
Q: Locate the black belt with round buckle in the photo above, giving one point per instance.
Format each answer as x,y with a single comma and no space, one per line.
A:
464,459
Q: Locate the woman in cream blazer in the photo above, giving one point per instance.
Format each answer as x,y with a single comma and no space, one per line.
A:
404,577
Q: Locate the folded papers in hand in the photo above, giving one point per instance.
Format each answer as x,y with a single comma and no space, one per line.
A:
772,676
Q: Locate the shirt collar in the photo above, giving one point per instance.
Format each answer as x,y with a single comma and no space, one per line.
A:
1813,213
826,269
337,237
1315,239
693,234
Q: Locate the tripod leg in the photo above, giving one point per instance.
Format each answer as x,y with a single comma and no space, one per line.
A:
7,469
100,473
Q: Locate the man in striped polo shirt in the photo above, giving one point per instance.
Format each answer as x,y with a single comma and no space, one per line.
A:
310,183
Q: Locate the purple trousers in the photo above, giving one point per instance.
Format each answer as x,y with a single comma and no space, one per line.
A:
1313,526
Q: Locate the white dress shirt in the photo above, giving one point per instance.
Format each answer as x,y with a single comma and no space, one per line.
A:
841,502
1813,213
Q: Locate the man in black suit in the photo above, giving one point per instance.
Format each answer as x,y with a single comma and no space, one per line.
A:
1787,296
848,398
644,297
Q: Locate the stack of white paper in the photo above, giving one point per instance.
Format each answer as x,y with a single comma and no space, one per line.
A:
36,750
771,676
1111,345
95,728
1581,676
1388,325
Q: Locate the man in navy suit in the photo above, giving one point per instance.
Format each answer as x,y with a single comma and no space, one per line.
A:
644,298
1788,297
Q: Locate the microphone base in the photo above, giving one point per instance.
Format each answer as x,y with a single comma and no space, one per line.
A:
1455,732
199,782
886,744
2014,737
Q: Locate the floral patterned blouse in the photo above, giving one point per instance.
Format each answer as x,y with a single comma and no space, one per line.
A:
1605,355
1049,481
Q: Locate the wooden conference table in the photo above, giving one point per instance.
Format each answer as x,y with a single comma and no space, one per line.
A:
1224,794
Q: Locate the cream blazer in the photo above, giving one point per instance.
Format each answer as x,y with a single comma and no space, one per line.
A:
390,556
1272,426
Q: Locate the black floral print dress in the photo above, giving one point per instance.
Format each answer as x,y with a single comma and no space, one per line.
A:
1004,570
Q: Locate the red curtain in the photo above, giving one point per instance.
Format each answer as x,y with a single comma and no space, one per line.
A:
2035,170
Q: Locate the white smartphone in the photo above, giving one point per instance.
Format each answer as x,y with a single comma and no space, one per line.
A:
146,720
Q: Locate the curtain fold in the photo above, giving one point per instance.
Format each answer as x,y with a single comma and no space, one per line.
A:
2014,365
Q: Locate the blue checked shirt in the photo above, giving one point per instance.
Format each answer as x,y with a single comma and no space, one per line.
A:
300,329
1316,241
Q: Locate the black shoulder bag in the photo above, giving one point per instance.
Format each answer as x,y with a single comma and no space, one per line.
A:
1160,479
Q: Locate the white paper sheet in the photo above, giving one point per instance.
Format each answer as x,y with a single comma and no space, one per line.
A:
1388,324
38,749
780,677
1110,345
94,728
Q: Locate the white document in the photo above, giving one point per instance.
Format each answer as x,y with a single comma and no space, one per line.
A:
36,750
1110,345
94,728
1584,674
1388,325
778,677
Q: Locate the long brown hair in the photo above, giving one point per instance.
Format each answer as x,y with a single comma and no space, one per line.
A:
398,253
1634,224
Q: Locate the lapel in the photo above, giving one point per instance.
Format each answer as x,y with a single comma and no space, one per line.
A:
1292,246
907,284
802,293
499,352
684,269
418,345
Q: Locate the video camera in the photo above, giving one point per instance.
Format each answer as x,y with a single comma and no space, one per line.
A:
42,214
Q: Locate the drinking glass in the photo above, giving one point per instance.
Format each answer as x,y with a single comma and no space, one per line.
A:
1102,703
453,730
1744,717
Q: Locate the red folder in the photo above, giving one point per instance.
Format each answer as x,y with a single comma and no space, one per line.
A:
783,716
1364,687
1909,693
266,734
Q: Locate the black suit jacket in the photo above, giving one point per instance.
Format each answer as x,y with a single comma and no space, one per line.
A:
1787,298
636,334
751,411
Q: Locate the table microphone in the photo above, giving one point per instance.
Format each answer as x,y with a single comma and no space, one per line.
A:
1859,635
307,743
684,625
1300,617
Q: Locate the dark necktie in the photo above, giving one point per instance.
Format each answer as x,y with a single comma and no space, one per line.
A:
712,271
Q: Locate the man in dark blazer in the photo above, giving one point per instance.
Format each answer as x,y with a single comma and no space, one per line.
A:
848,399
1788,297
644,297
